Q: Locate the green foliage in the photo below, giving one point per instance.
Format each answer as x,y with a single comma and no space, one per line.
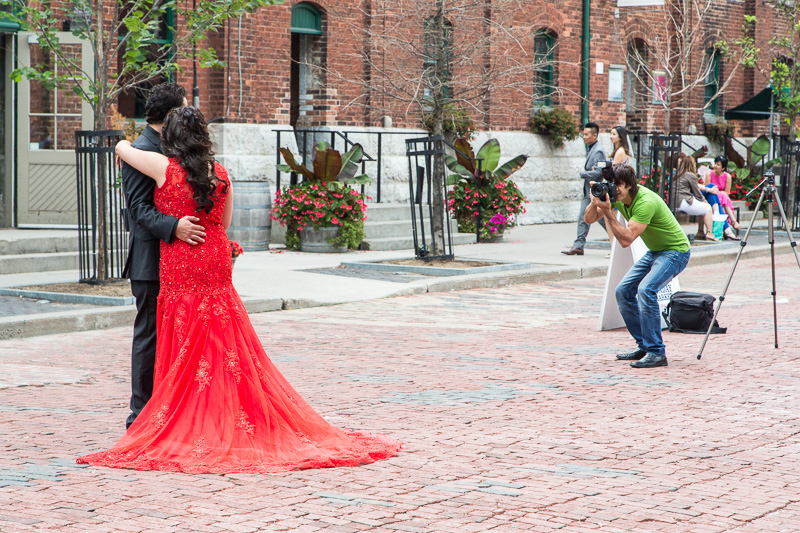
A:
482,189
784,67
328,166
456,122
745,174
558,123
716,131
133,42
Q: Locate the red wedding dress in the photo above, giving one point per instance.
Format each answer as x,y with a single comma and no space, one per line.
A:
219,405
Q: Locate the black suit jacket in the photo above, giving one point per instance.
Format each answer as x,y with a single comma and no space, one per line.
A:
147,225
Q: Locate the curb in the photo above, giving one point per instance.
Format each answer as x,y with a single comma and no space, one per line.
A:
111,317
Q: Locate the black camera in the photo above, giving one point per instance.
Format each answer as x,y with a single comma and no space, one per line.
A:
601,188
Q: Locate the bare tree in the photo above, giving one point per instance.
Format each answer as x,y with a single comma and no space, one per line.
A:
422,59
681,57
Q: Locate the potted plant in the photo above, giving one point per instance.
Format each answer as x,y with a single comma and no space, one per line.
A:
558,123
321,213
483,199
456,122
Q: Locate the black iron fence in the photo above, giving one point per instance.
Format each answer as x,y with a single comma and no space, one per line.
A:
372,164
102,235
435,239
789,172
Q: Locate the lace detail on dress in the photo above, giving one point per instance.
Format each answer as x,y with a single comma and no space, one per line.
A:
160,416
200,449
243,422
203,375
232,365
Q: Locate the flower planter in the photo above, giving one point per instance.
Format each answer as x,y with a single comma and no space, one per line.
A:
319,240
497,237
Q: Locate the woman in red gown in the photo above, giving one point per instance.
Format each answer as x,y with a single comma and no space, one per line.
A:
219,405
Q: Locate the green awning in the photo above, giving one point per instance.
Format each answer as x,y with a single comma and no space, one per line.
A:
757,108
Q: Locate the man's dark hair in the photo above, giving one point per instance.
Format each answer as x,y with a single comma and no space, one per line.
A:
592,126
627,175
162,99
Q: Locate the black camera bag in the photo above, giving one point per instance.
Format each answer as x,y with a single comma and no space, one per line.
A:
691,312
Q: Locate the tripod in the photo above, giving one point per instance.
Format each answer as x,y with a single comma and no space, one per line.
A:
771,194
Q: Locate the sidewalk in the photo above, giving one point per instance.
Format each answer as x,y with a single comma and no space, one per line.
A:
514,414
279,279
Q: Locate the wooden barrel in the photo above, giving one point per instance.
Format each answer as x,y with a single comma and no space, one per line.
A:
251,223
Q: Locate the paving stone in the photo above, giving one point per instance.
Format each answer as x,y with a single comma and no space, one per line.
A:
515,416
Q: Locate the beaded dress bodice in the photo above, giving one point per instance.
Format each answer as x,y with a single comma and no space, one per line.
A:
202,268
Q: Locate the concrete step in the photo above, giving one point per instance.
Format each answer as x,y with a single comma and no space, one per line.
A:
31,241
386,212
407,243
38,262
394,228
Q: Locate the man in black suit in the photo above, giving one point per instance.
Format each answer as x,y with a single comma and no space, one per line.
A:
147,228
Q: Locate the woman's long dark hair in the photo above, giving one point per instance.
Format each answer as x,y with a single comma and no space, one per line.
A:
185,137
622,131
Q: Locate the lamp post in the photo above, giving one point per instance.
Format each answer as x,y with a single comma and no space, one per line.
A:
195,88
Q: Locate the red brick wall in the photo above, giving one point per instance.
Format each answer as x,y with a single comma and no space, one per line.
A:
262,52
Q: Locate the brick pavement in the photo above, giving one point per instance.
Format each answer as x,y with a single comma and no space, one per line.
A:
514,415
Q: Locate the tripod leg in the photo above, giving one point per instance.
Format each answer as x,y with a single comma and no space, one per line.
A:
771,233
786,225
742,244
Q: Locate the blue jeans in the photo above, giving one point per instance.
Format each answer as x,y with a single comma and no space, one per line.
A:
637,296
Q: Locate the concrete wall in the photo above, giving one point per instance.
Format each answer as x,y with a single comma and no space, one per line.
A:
550,178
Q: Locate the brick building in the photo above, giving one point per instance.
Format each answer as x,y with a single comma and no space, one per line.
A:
351,65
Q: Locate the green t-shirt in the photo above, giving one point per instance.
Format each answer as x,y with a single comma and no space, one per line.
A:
663,231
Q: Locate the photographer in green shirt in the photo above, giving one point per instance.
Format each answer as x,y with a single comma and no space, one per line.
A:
649,218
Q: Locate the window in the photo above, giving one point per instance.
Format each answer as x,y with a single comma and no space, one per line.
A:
55,113
616,82
437,47
544,74
711,99
660,81
637,69
131,102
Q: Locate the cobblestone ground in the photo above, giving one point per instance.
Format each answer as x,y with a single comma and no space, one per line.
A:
514,414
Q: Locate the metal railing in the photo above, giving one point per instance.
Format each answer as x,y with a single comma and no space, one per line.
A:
307,138
426,158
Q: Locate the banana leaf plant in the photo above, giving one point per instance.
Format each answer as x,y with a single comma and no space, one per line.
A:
328,166
756,153
480,168
482,191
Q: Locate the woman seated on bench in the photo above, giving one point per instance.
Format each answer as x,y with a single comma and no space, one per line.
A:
719,177
690,195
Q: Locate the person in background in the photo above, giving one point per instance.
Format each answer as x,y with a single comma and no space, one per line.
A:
594,153
691,199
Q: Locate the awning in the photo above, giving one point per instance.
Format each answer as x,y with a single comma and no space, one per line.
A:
757,108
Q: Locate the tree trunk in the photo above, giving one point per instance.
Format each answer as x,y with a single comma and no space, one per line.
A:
437,180
100,124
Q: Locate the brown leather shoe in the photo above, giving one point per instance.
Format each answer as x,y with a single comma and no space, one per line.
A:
573,251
